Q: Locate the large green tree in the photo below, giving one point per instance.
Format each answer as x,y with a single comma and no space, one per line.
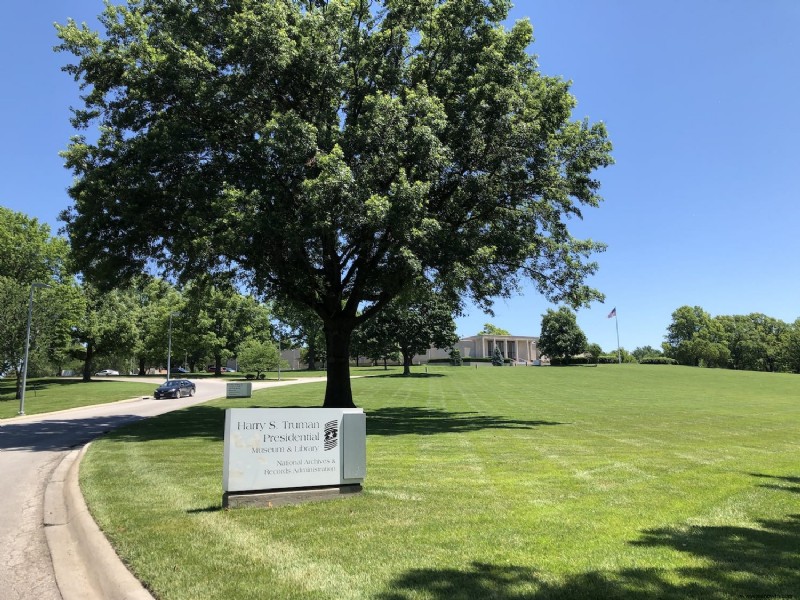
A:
694,338
50,318
306,330
755,342
791,348
217,318
561,337
30,254
330,153
156,299
106,328
413,325
28,251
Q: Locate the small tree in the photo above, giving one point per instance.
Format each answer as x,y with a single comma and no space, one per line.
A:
258,356
106,326
594,351
561,337
497,358
455,357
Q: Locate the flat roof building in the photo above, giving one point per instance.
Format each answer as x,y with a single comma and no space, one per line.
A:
518,348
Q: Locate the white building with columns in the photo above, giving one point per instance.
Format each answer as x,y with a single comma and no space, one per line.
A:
518,348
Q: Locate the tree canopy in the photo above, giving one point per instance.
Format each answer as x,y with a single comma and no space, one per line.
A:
30,254
561,337
753,342
329,153
694,338
491,329
412,326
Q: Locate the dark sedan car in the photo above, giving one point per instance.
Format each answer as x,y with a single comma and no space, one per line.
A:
175,388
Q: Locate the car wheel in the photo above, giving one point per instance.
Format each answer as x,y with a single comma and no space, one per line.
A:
191,392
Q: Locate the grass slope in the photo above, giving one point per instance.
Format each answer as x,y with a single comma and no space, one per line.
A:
617,482
48,395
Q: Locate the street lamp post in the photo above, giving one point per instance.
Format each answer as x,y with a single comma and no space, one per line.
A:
169,344
28,347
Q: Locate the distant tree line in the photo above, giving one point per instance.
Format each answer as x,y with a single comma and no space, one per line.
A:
77,326
754,342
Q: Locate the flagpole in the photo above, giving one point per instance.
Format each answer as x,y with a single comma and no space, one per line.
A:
613,313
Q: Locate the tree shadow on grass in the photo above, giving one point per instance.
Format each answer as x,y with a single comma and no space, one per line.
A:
208,422
8,387
762,561
413,375
780,486
427,421
201,421
742,562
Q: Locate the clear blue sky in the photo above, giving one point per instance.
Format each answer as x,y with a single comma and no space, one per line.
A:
700,98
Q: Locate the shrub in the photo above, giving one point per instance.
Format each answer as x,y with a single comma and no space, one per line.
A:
455,357
572,360
483,360
497,358
657,360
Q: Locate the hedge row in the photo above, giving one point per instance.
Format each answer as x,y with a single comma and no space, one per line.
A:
484,360
573,360
604,359
658,360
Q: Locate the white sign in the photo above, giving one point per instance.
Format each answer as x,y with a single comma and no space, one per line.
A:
278,448
239,389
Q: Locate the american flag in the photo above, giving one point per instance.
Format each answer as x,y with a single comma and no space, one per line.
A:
613,313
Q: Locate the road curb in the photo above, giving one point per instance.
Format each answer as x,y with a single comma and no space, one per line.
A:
86,566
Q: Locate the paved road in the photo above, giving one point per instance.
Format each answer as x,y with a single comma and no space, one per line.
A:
30,449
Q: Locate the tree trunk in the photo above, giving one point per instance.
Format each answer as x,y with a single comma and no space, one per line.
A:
142,370
338,393
312,358
87,363
406,363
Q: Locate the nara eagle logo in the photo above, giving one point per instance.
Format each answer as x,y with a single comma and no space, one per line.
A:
331,434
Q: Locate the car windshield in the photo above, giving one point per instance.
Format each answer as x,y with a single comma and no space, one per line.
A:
171,384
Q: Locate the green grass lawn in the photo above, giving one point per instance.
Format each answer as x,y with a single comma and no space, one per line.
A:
48,395
514,483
